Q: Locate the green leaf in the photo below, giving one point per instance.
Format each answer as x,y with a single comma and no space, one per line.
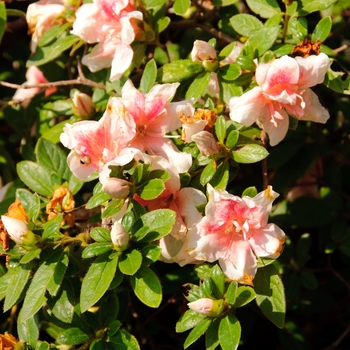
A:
198,86
188,320
150,254
220,128
130,262
274,20
250,192
97,199
322,30
229,332
97,280
52,228
152,189
337,81
244,295
149,76
72,336
228,89
30,255
63,305
221,177
270,294
208,172
3,19
53,33
100,234
30,202
113,208
231,291
245,24
49,53
230,71
96,249
223,2
108,310
149,4
178,71
28,330
197,332
48,276
218,278
250,153
19,278
212,335
181,6
52,158
147,287
262,40
264,8
162,24
36,177
123,341
154,225
312,6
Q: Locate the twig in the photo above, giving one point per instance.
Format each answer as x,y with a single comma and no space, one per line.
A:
337,342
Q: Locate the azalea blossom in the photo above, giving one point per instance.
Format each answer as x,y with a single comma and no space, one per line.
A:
94,144
283,89
235,231
205,53
208,307
34,76
82,104
107,23
41,16
154,116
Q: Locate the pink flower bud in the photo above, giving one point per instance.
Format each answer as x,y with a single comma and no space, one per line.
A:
116,188
82,104
119,236
207,307
206,143
15,228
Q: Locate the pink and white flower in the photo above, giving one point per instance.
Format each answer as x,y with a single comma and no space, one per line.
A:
235,231
283,88
107,23
154,116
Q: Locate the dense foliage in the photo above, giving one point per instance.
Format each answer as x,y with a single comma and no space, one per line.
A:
175,174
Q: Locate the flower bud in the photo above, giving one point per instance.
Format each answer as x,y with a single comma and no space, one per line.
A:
15,228
208,307
82,104
206,143
119,236
116,188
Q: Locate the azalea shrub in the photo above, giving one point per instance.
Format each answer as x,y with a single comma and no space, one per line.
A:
174,174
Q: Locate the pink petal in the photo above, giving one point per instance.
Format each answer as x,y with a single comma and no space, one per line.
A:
121,61
202,51
314,111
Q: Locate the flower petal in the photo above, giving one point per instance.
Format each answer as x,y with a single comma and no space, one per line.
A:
314,111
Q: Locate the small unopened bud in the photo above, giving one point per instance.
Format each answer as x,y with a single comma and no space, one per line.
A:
15,228
82,104
208,307
119,236
206,143
116,188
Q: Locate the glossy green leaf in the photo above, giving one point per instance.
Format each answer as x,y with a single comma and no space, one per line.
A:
219,279
188,320
3,19
322,30
245,24
231,291
100,234
297,28
178,71
250,153
149,76
198,86
52,157
274,20
51,34
108,310
181,6
28,330
97,280
232,138
114,206
244,295
123,341
162,24
97,199
149,4
221,177
72,336
48,277
264,8
151,254
62,305
154,225
228,89
130,262
147,287
30,255
223,2
230,71
74,184
313,6
229,332
250,192
96,249
30,202
212,335
197,332
262,40
152,189
208,172
220,128
17,282
270,294
52,228
36,177
337,81
48,53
